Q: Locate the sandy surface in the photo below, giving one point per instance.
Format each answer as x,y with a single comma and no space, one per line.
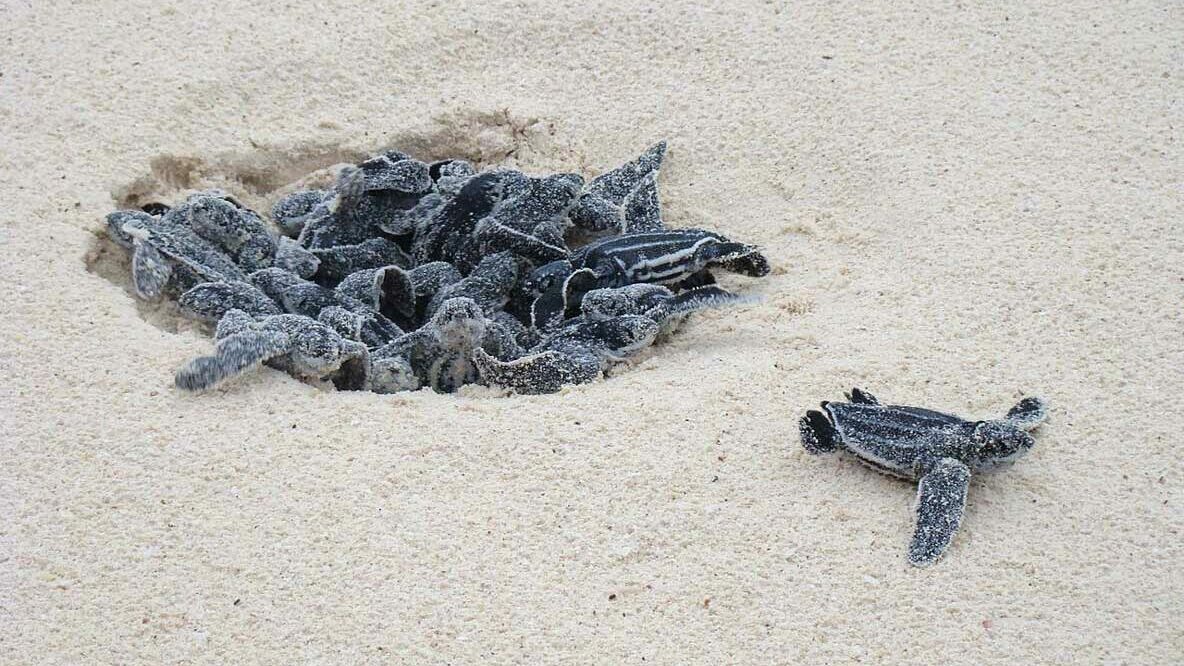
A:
964,205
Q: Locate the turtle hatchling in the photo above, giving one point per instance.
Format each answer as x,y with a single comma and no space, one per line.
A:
671,257
303,347
937,450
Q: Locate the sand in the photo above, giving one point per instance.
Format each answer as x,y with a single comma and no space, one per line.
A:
964,205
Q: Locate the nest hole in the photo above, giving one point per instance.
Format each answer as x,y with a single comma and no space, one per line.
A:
261,176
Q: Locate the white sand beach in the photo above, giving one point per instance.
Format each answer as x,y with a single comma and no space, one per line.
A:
963,205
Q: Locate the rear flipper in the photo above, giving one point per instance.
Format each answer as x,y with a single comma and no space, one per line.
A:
233,356
818,434
546,372
941,499
1028,413
862,397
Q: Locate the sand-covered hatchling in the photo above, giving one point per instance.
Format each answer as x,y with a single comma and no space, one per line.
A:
301,346
670,257
937,450
440,353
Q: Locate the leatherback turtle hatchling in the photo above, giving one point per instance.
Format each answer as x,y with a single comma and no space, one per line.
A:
439,353
168,254
656,302
301,346
937,450
614,323
668,257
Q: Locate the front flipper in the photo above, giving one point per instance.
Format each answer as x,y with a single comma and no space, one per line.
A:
641,211
396,296
233,356
700,298
554,304
546,313
150,271
545,372
941,498
1028,413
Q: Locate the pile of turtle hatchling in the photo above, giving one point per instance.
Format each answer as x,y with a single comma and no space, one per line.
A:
407,275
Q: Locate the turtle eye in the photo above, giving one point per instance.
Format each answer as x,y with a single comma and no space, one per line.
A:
977,433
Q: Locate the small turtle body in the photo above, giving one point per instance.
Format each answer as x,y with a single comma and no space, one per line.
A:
439,354
938,450
656,302
210,300
301,346
665,257
668,257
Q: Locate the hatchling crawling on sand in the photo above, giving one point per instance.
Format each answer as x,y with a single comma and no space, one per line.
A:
937,450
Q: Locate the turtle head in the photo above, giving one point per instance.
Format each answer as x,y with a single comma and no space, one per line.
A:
547,276
998,442
460,322
608,303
